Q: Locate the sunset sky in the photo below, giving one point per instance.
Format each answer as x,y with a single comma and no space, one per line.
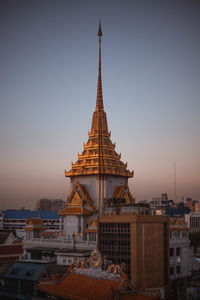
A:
48,82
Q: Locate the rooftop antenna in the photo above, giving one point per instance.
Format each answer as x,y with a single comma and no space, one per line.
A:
175,189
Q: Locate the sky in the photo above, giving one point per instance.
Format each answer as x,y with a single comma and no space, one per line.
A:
48,83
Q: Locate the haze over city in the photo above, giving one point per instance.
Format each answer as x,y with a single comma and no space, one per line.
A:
150,77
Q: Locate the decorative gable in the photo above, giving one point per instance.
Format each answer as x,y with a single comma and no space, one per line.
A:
123,192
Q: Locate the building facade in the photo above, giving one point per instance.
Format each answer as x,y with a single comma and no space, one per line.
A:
139,241
193,221
180,254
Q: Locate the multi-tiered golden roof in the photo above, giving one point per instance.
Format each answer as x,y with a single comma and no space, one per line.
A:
99,155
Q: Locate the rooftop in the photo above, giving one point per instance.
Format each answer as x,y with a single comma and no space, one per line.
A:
25,214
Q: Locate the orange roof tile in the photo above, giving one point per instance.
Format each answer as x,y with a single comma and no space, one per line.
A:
180,228
34,221
35,227
89,288
92,230
74,211
177,222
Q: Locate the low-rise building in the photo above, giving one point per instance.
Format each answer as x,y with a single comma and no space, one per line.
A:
16,220
193,221
180,254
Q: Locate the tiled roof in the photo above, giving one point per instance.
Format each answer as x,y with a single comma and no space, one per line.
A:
36,221
89,288
178,222
26,270
25,214
74,211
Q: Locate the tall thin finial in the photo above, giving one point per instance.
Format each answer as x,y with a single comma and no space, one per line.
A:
100,31
99,102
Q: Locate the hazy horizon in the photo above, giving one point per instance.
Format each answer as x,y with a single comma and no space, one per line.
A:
48,83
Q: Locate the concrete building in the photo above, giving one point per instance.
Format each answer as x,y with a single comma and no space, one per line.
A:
50,205
142,243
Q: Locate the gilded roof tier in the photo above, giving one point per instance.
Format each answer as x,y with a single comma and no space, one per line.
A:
99,155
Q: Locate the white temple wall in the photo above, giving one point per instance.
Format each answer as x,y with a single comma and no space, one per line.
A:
72,224
106,189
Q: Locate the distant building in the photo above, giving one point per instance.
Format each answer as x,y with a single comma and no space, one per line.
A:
141,242
194,205
177,212
193,221
16,220
158,205
50,205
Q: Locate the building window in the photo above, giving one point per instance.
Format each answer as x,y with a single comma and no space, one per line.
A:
114,242
178,251
64,261
178,269
171,251
171,270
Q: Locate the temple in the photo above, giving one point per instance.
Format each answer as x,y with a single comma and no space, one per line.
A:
98,174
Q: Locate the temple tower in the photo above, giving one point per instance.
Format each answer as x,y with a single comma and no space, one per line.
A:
99,173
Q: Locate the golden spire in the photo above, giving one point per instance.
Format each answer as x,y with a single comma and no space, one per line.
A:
99,101
99,155
99,120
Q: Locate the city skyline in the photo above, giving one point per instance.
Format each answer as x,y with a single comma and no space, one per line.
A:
150,81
